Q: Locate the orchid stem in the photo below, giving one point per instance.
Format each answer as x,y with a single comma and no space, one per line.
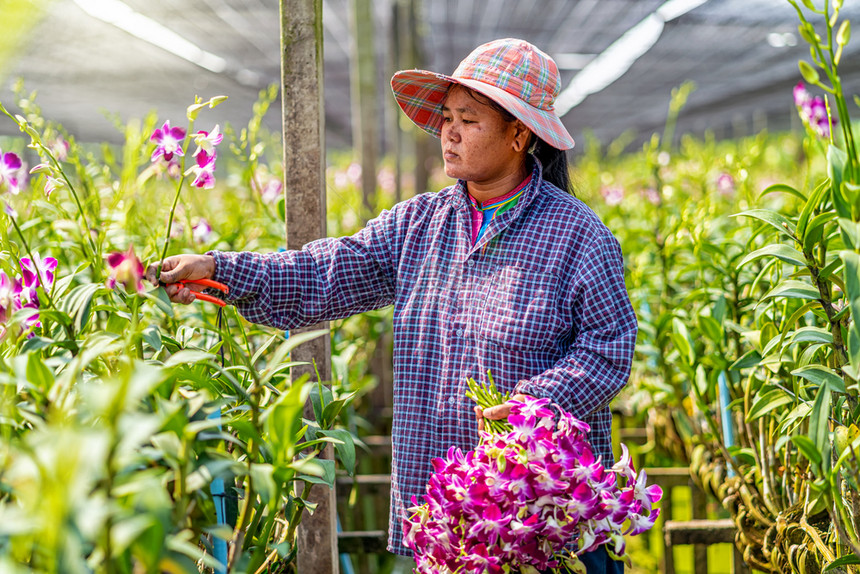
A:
33,259
175,200
170,222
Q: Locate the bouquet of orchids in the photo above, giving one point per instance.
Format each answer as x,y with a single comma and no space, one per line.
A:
532,496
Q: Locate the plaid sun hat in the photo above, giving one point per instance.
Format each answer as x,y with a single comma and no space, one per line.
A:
511,72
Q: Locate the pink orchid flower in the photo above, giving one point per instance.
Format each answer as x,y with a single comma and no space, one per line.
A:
204,171
12,177
127,269
38,271
168,142
522,502
206,141
202,231
9,300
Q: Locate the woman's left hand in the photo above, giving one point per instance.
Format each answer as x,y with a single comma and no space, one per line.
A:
497,412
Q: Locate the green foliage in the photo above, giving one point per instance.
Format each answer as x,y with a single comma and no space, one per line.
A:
118,410
743,263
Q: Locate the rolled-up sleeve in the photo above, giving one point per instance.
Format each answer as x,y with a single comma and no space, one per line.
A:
597,364
327,279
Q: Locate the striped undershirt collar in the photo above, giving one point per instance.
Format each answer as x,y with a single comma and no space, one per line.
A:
499,201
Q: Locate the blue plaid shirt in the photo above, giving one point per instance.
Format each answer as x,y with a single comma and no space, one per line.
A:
539,301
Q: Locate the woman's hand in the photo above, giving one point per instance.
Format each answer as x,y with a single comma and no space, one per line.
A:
497,412
182,268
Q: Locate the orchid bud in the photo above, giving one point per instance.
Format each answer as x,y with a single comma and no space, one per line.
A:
809,73
844,33
42,168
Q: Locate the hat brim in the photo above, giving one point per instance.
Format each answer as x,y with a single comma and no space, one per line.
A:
420,94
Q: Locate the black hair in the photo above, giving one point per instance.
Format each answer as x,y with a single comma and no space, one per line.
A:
553,160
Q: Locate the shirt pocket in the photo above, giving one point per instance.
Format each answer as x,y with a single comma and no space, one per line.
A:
521,311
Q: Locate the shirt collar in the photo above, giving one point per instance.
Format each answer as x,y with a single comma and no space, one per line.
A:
461,198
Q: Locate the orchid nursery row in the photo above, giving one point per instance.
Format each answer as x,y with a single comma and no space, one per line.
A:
742,260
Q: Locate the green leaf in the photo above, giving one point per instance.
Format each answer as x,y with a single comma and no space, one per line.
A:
793,289
837,161
681,338
345,448
751,358
815,228
783,188
782,252
807,448
712,329
320,471
264,484
277,359
767,402
772,218
812,335
320,397
810,207
263,348
847,560
821,376
789,324
189,356
818,423
283,419
152,336
852,291
36,344
38,374
333,409
78,302
161,300
850,232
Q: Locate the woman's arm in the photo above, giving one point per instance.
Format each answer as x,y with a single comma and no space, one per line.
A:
328,279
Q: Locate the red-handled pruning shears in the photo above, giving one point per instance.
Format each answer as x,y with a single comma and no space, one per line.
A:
203,296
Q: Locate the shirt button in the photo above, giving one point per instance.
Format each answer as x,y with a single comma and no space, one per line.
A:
450,400
459,332
469,262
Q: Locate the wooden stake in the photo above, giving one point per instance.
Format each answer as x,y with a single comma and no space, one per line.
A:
304,183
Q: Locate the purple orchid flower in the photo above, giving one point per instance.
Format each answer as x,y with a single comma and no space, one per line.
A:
127,269
206,141
612,195
202,231
522,495
813,111
204,171
38,272
59,148
12,177
9,300
726,184
168,142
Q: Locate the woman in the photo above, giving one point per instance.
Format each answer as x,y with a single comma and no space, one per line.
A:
504,272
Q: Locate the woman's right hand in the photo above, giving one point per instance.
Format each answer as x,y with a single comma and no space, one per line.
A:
185,267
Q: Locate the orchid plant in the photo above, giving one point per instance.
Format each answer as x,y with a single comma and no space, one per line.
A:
119,413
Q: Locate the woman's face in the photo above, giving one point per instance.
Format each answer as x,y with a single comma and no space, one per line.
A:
478,144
